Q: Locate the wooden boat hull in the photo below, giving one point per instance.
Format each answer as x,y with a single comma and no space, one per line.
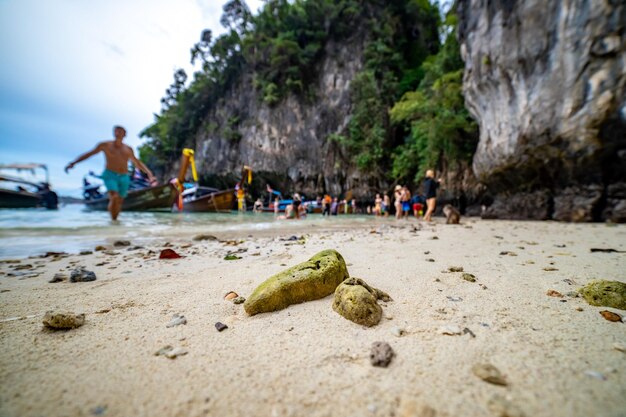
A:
19,199
152,198
218,202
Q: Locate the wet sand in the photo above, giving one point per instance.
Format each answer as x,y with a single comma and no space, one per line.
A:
556,354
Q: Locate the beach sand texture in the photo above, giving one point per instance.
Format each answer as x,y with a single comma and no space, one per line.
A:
307,360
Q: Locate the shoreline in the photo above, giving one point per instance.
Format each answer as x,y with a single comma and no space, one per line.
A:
306,359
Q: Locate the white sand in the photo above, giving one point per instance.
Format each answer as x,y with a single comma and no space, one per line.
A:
307,360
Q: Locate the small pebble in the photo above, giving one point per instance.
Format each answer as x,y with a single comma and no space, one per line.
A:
231,295
177,320
596,375
489,373
468,277
220,326
455,269
397,331
119,243
451,330
619,347
63,320
239,300
82,275
381,354
58,277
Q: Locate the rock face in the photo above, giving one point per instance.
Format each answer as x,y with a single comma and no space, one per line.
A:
546,82
288,140
311,280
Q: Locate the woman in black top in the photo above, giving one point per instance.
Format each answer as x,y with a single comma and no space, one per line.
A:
430,191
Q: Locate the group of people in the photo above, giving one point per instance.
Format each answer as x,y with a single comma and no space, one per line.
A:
404,203
117,181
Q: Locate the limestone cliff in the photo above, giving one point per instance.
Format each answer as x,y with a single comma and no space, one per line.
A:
288,141
546,80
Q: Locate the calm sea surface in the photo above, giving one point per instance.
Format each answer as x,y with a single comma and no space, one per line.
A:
25,232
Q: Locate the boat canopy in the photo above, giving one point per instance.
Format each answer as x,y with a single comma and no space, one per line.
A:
27,167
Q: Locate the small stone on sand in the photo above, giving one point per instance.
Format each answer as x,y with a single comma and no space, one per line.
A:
62,320
220,326
58,277
119,243
231,295
489,373
177,320
455,269
451,330
82,275
381,354
239,300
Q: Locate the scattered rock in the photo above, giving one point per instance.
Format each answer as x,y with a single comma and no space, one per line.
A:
596,375
619,347
177,320
231,257
550,269
489,373
468,331
468,277
120,243
171,352
58,277
427,252
451,330
610,316
169,254
239,300
202,237
100,248
357,302
508,252
554,293
502,407
311,280
430,260
381,354
82,275
220,326
579,309
608,250
397,331
231,295
85,252
63,320
455,269
434,238
605,294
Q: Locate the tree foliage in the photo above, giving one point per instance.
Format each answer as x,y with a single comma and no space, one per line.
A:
407,105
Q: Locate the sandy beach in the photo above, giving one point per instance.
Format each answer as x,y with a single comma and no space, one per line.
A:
559,356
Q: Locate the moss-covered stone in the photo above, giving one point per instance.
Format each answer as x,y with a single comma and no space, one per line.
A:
311,280
605,293
357,302
63,320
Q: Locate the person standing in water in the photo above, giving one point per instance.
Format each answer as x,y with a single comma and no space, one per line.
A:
115,175
430,192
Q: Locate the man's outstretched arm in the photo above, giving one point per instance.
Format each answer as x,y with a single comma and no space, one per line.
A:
141,166
83,157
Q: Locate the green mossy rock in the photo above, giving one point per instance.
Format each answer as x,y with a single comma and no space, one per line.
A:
357,302
311,280
605,293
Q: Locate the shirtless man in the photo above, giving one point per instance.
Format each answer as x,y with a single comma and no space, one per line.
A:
115,176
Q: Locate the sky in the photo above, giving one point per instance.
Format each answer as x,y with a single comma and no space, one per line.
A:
72,69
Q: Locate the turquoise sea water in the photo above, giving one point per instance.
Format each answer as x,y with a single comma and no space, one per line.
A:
25,232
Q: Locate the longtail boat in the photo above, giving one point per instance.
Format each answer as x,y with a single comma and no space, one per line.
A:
150,198
38,194
206,199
